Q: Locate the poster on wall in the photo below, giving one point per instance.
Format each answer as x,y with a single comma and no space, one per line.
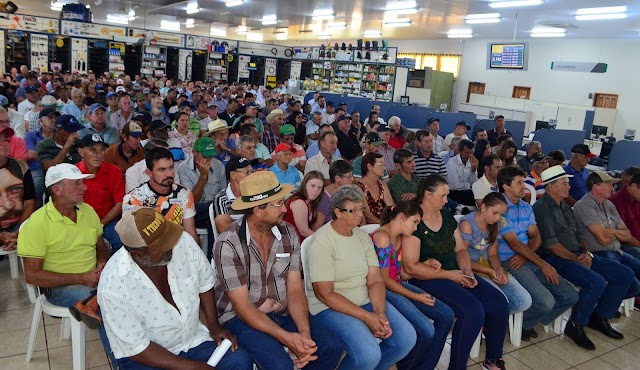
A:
79,55
184,69
30,23
270,72
214,44
92,30
40,52
243,66
158,37
3,68
296,68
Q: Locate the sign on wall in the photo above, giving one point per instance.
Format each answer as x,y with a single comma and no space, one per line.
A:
296,68
266,50
40,52
243,66
158,37
270,72
184,69
92,30
592,67
30,23
210,43
79,60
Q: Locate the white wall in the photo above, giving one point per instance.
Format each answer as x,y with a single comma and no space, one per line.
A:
622,76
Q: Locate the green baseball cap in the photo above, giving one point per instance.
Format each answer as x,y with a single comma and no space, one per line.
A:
287,130
205,146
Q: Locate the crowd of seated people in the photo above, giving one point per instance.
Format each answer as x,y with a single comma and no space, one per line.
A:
107,190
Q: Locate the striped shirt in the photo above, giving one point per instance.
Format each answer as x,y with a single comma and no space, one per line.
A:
517,219
434,165
237,263
222,203
534,180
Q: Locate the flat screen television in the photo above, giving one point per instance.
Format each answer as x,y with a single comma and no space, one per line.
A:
507,55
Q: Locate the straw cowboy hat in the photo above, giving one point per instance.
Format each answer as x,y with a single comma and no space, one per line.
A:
274,113
216,125
260,188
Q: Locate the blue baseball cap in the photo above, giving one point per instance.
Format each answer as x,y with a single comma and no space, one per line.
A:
68,123
110,94
95,106
3,100
30,89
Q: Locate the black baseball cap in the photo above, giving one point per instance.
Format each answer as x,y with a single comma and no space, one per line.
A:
157,125
383,128
47,112
236,163
432,119
91,140
463,123
582,149
68,123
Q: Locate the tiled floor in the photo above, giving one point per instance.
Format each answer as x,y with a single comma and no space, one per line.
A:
547,352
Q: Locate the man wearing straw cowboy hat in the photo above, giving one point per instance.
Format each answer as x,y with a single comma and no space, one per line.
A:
270,138
259,290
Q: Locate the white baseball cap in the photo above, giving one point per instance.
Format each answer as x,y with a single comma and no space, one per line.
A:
64,171
120,89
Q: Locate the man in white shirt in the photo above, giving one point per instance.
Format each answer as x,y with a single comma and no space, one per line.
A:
461,174
460,131
321,162
433,125
312,128
488,183
329,116
30,103
151,293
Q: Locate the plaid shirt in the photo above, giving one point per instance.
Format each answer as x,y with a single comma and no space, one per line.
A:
269,138
237,264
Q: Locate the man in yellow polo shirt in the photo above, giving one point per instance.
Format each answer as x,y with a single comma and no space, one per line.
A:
61,243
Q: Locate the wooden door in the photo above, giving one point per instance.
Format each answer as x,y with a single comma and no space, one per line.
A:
521,92
605,100
475,88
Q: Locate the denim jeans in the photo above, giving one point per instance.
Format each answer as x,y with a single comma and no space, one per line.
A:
517,296
631,262
203,221
432,324
473,308
548,301
634,251
268,353
38,183
236,360
67,296
109,233
363,351
602,288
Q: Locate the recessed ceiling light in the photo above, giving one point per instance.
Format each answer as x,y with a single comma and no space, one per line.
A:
511,4
602,10
595,17
234,2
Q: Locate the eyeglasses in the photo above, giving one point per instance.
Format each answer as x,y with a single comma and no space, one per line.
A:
279,204
355,210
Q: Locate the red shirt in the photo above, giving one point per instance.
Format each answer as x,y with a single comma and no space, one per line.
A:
105,189
629,210
18,148
397,142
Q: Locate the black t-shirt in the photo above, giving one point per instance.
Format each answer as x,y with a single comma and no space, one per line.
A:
492,135
348,145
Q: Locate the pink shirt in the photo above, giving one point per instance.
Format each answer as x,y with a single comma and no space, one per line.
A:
18,148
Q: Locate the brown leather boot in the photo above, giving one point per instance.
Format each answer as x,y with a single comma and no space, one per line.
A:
87,311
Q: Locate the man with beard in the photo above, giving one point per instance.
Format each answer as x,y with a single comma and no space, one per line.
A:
17,193
137,175
266,307
160,328
157,114
173,201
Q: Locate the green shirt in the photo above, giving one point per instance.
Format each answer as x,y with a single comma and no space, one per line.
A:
48,150
557,224
66,247
398,185
439,244
357,169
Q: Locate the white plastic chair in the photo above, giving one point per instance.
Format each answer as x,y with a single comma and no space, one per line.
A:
369,228
533,193
628,305
70,326
204,234
13,261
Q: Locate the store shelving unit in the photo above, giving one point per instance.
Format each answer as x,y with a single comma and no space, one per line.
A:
216,70
370,80
116,58
17,49
154,61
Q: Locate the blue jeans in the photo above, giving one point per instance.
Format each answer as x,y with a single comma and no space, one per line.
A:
268,353
363,351
38,183
473,308
236,360
602,288
432,324
203,221
631,262
548,301
67,296
517,296
634,251
109,233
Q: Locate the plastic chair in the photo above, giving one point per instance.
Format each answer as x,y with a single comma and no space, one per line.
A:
369,228
13,261
70,326
532,191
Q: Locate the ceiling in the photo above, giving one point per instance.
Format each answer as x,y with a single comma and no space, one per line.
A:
432,21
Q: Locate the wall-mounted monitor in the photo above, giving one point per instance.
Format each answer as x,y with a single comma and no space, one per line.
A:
510,56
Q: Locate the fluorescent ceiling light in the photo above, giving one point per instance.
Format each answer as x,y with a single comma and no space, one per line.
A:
324,35
215,31
281,37
602,10
401,11
56,6
192,8
269,19
117,18
242,30
460,34
131,15
338,26
395,5
548,34
482,21
482,16
254,36
323,17
400,22
190,23
372,33
595,17
319,12
230,3
170,25
511,4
